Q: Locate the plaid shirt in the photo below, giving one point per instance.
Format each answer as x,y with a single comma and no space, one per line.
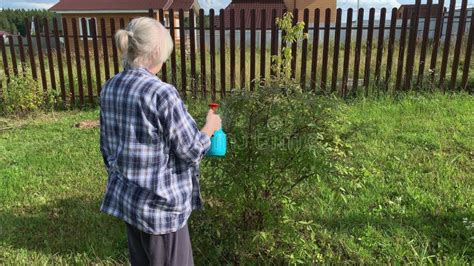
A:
151,148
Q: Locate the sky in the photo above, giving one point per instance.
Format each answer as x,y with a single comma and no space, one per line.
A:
217,4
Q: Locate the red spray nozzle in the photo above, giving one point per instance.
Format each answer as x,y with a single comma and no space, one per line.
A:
214,106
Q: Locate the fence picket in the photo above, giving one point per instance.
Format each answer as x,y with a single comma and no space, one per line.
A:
232,48
304,49
355,78
85,43
468,53
253,40
335,59
5,58
173,53
457,49
50,54
202,52
437,38
72,94
22,54
327,27
424,42
192,44
222,51
401,51
347,50
447,44
314,60
13,55
105,49
182,46
242,48
114,47
368,51
30,49
294,47
380,44
411,51
59,59
391,40
212,52
164,74
80,84
274,42
40,53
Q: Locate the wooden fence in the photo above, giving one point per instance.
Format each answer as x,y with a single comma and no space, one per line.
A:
374,55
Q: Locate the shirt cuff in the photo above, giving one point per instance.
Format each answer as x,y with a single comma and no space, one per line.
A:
205,142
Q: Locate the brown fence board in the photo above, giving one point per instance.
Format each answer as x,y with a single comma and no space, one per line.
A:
5,58
424,41
202,52
164,68
173,53
263,42
401,51
30,49
411,51
59,59
22,54
390,49
335,59
105,48
212,52
67,47
314,56
85,45
78,61
95,48
304,49
13,55
294,47
360,24
274,41
468,54
50,54
222,51
368,51
380,43
242,48
182,46
253,41
327,27
437,37
447,44
192,55
40,54
457,48
232,48
347,51
114,47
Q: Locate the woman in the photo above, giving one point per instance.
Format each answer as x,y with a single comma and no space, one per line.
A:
151,148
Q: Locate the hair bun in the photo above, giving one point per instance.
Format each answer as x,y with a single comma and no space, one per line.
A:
130,33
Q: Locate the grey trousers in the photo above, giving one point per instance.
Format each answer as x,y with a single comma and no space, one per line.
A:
168,249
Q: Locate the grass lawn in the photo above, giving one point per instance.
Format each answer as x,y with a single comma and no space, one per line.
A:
415,156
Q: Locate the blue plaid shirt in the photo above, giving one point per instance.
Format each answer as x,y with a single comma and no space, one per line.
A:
151,148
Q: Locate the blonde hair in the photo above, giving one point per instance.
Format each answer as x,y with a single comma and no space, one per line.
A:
145,43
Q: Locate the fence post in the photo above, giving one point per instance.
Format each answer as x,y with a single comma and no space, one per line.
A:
411,52
13,55
304,49
22,54
294,47
164,75
105,49
242,49
114,48
424,42
274,42
202,33
263,42
50,55
253,40
437,37
68,61
192,44
457,49
95,47
173,53
4,59
78,61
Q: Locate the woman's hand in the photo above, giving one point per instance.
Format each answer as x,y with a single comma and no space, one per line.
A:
213,123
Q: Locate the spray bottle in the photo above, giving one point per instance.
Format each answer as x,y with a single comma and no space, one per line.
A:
218,140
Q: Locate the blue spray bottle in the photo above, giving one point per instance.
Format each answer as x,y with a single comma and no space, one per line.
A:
218,140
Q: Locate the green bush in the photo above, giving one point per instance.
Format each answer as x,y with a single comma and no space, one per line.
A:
23,95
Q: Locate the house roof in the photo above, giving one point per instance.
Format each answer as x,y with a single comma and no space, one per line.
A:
120,5
247,5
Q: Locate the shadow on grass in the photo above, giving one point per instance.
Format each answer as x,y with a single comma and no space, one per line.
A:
65,227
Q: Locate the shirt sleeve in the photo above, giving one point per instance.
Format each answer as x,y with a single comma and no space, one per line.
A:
186,140
103,149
